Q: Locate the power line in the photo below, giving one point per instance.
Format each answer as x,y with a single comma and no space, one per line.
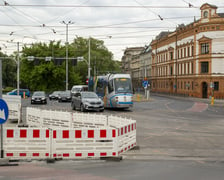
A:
98,6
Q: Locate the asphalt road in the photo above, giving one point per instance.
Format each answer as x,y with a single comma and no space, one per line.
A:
179,138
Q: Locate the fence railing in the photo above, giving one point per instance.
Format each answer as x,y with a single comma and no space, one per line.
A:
68,135
14,105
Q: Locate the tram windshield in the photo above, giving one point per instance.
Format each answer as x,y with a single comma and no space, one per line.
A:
122,85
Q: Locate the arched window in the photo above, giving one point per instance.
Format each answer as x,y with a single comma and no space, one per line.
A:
205,14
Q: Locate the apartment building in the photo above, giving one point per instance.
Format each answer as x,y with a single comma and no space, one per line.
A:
137,62
127,58
190,60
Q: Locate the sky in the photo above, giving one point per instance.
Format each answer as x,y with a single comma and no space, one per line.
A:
120,24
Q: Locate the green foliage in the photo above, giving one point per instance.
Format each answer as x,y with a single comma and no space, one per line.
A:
8,71
7,89
48,77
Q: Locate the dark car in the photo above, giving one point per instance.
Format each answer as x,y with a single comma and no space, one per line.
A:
87,101
64,96
54,95
39,97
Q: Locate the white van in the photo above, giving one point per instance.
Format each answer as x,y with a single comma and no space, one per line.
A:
78,88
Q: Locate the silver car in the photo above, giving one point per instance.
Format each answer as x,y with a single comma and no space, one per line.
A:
87,101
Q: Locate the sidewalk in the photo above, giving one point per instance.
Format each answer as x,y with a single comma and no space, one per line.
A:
140,97
217,102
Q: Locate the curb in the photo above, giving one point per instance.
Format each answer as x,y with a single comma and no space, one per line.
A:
5,162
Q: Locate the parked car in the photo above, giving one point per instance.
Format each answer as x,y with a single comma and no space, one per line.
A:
21,92
39,97
54,95
87,101
78,88
64,96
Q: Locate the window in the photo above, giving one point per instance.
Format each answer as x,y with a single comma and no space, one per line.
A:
204,67
171,70
192,50
216,86
110,86
204,48
171,55
205,14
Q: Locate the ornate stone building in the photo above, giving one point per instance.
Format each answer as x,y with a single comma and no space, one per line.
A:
190,60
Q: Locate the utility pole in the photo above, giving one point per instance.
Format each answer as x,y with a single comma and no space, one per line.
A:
18,69
89,68
2,151
66,68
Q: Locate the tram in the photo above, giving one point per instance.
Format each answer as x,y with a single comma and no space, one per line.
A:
115,90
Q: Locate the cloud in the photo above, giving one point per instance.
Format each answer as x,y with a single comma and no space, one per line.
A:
118,26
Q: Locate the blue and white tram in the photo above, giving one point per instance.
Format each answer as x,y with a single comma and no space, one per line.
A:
115,90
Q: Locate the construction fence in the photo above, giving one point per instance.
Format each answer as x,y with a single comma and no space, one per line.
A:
69,135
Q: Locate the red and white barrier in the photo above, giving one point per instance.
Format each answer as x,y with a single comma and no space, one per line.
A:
55,119
84,143
31,143
70,136
14,105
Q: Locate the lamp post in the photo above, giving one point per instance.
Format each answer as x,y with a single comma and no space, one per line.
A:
89,68
66,80
18,69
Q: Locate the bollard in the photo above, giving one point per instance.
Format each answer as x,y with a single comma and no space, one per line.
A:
212,100
138,97
148,94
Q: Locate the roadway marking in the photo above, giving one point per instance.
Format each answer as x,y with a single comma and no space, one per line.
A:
198,107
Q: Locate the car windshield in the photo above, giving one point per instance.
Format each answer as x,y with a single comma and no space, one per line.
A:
65,93
89,95
76,89
39,94
56,92
123,85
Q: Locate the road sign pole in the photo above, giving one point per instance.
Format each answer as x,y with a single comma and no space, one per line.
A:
2,151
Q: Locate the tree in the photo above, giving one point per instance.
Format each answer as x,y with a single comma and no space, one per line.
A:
8,71
101,57
48,76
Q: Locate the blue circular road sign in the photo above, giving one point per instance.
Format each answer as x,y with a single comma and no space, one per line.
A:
4,111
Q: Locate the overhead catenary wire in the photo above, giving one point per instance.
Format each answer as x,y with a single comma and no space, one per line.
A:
98,6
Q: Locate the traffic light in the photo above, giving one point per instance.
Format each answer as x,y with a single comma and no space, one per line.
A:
58,61
74,61
36,62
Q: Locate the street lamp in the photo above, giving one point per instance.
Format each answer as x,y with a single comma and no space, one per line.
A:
66,23
89,59
89,68
87,62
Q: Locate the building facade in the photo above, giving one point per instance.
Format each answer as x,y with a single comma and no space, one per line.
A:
131,63
137,64
190,60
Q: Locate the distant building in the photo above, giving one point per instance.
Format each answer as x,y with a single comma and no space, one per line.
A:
137,62
190,60
127,57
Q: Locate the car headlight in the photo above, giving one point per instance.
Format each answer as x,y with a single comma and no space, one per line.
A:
33,98
85,102
43,98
